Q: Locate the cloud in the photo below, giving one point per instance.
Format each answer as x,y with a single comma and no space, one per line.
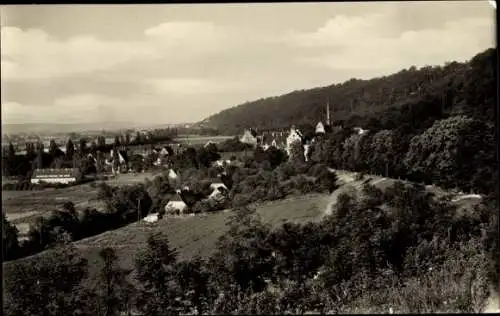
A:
68,109
192,85
368,43
33,54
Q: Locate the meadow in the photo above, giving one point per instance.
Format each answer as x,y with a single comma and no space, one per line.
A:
22,207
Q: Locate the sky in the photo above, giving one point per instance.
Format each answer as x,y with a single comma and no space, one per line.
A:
156,64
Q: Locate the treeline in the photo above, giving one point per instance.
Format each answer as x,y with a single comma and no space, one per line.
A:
455,152
399,249
455,88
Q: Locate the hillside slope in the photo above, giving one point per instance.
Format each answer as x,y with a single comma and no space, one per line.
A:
467,88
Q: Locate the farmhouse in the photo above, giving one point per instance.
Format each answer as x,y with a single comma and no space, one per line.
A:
294,136
249,137
65,176
122,160
176,205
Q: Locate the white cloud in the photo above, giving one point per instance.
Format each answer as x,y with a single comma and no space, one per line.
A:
192,86
33,54
367,43
67,109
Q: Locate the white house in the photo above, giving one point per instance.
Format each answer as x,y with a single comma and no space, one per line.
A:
249,137
360,131
218,186
175,206
172,174
64,176
151,218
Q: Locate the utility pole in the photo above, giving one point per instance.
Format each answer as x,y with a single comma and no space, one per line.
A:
138,210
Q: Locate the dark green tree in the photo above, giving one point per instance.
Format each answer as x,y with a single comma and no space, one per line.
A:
155,267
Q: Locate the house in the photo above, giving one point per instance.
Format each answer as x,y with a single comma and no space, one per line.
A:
218,186
294,136
151,218
120,165
209,143
176,205
64,176
360,131
249,137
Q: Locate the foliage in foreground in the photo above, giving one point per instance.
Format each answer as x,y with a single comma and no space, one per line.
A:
402,249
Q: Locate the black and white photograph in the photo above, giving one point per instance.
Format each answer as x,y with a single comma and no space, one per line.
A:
263,158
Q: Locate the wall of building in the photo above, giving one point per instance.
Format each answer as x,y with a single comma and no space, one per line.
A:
53,180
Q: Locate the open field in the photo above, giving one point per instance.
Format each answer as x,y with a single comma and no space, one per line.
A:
196,234
130,178
200,140
21,207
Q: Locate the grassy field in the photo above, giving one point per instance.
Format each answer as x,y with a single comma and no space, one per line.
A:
196,235
200,140
21,207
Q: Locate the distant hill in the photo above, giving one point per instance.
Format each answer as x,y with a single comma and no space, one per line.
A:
40,128
468,88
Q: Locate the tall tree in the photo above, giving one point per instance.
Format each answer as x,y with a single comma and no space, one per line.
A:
113,289
155,266
53,148
39,158
117,141
83,146
101,141
70,149
9,239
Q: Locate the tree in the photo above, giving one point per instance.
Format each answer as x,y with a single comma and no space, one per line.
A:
351,152
9,239
53,148
127,139
297,152
113,289
193,277
155,266
47,285
117,141
83,146
70,150
138,138
39,158
444,151
382,152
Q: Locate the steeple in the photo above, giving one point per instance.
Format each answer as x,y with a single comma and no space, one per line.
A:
328,112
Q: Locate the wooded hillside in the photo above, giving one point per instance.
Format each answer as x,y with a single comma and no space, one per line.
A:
412,97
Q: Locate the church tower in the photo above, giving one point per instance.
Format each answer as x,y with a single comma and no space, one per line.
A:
328,112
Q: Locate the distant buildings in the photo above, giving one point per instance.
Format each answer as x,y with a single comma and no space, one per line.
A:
63,176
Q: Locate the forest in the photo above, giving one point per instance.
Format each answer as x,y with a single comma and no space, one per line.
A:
409,100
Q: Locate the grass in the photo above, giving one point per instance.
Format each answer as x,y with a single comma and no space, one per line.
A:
198,140
22,207
190,235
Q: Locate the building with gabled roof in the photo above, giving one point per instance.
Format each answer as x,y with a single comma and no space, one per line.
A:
63,175
249,137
